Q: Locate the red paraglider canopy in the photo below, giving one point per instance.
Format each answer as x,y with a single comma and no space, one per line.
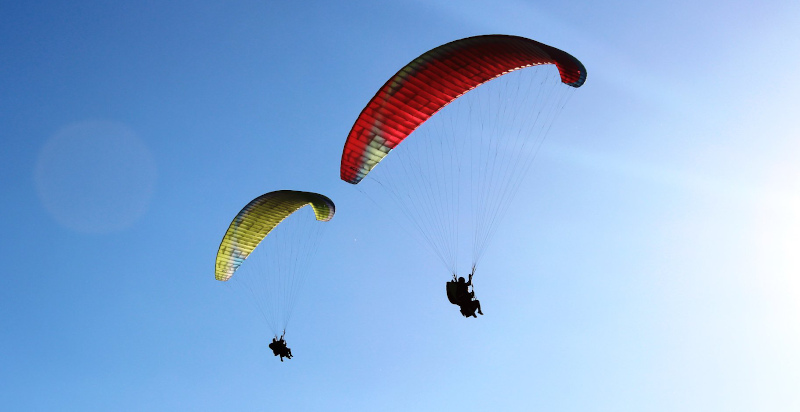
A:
433,80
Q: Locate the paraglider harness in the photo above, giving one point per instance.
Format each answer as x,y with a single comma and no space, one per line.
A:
452,291
279,347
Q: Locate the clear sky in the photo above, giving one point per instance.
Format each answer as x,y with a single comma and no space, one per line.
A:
658,270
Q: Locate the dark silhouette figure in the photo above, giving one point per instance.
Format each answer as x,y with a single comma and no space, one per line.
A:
279,348
459,294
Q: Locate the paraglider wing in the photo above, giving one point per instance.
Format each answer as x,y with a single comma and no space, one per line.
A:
433,80
257,219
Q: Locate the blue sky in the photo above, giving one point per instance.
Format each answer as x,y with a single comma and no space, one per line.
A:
658,270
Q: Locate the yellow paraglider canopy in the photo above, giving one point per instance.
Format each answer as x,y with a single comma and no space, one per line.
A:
257,219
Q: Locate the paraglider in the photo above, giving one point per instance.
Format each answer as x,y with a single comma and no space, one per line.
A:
458,293
279,348
273,223
494,98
